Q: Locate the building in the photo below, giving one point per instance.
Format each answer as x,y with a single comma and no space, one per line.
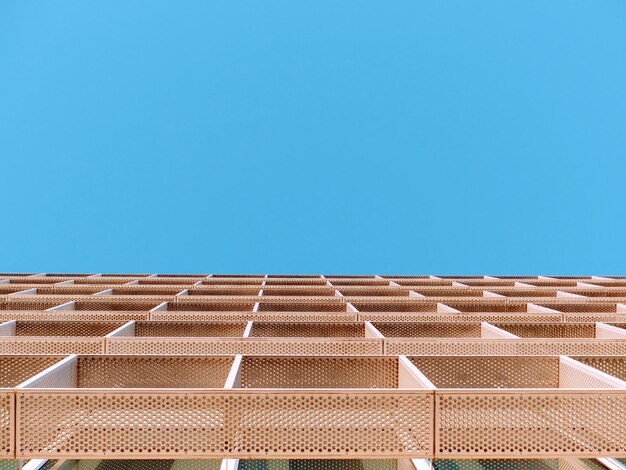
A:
312,371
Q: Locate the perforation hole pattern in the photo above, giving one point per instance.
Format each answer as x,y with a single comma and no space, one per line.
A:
550,330
222,290
210,306
55,328
19,304
353,372
335,464
615,366
266,306
216,423
107,305
191,329
532,423
322,330
492,464
395,306
582,307
16,369
153,372
178,464
429,330
490,372
488,306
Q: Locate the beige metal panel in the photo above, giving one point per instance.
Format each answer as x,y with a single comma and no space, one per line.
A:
73,315
249,346
613,365
168,422
513,407
13,371
246,316
464,317
429,329
308,329
57,337
521,347
550,330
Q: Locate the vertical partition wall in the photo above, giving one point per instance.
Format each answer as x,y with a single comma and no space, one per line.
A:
312,371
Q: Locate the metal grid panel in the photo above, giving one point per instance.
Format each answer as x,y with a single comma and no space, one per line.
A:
361,291
319,464
24,303
545,423
231,282
66,345
497,464
105,280
223,291
310,423
73,315
530,347
261,316
490,372
250,346
224,306
547,330
311,329
152,372
429,330
615,366
298,291
319,372
349,282
464,317
190,329
487,305
129,304
295,282
178,464
448,292
62,328
300,306
581,307
13,371
395,305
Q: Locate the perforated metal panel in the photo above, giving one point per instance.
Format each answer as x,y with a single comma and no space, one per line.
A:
300,306
216,306
311,329
13,371
322,372
526,347
152,372
490,372
179,464
429,330
395,305
550,330
319,464
615,366
57,328
191,329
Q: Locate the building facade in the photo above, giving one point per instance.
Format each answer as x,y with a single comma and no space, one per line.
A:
255,372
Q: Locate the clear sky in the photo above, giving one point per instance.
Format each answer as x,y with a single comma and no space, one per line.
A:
313,136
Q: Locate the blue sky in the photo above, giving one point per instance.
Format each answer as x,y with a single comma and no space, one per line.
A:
315,136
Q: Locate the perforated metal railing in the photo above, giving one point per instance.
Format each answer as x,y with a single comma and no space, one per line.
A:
479,412
277,406
55,337
13,371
